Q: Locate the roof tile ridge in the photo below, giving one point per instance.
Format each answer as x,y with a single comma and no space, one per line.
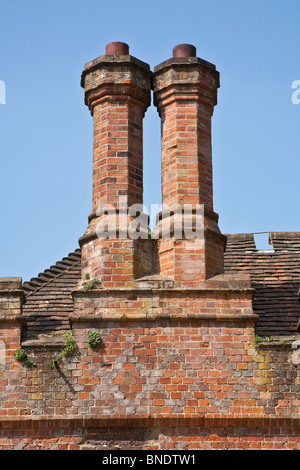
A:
57,275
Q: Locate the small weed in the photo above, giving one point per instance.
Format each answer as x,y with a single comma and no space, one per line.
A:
70,345
54,334
93,284
68,350
22,356
258,340
94,339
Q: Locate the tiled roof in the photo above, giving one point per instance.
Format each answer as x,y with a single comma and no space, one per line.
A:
48,297
275,276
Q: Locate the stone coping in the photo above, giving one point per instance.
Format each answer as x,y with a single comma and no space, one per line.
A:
151,317
183,61
242,287
112,60
10,283
278,343
44,343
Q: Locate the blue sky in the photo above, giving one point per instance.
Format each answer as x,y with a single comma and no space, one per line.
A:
46,130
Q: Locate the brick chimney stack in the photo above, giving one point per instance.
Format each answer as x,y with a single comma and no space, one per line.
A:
185,93
118,93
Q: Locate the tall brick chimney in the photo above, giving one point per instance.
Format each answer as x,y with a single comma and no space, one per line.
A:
118,93
185,93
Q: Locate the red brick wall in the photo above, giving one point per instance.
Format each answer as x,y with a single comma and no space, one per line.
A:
192,384
176,369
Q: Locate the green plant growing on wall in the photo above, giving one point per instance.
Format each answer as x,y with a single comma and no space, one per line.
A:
258,340
70,345
94,339
68,350
93,284
283,340
22,356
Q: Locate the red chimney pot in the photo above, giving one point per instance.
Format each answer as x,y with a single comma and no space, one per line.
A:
117,48
184,50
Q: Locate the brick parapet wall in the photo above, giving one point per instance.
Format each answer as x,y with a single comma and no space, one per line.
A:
176,369
215,298
11,298
193,384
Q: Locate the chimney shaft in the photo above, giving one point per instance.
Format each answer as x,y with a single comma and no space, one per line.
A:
118,93
185,93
